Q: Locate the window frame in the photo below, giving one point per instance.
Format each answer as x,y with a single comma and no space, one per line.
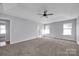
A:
2,29
65,29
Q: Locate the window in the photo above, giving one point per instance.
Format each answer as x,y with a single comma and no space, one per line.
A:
45,30
67,29
2,29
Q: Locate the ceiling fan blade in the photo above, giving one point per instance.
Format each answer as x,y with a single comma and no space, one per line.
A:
40,14
50,14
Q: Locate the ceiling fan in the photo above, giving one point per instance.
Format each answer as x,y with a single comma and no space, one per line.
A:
45,14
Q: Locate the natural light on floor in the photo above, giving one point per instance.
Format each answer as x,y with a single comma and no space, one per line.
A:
2,44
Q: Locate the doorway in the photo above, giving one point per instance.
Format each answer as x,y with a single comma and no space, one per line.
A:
4,32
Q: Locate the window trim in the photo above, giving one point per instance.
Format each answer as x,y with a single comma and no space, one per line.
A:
1,29
66,29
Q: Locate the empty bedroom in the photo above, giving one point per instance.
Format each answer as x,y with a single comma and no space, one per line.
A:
39,29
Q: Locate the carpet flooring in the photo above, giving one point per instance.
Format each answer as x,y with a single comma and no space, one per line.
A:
41,47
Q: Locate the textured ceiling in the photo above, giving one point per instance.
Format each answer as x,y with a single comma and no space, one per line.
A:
62,11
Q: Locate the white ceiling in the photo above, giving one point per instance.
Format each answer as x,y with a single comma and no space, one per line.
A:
62,11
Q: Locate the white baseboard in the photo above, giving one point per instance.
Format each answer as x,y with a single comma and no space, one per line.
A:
30,38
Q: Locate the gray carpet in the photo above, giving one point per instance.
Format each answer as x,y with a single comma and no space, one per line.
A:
41,47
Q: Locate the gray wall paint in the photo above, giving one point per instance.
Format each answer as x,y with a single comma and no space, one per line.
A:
21,29
56,30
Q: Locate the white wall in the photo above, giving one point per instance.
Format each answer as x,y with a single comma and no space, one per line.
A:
7,30
21,29
56,30
77,30
1,8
